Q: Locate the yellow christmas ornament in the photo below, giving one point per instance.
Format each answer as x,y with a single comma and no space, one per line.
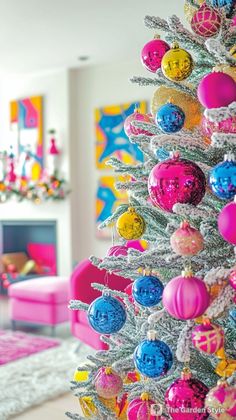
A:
87,406
225,68
226,367
189,10
190,106
233,51
177,64
80,376
130,225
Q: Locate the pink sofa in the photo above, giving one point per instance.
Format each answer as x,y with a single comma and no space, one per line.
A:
43,300
80,288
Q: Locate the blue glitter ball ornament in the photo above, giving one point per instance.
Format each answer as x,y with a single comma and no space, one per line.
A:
106,314
147,290
223,3
232,317
152,357
170,118
223,178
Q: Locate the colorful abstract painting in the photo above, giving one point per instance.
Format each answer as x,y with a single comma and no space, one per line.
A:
107,199
26,122
111,139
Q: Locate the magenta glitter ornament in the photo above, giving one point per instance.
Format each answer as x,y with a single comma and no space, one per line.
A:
216,90
186,297
174,181
208,337
185,398
140,409
225,126
186,240
136,116
108,383
153,52
232,279
117,250
206,21
221,401
226,223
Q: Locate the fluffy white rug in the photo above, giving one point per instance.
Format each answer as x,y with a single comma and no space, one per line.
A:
32,380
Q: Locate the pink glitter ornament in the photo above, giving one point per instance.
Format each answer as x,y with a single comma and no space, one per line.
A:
136,116
186,297
206,21
226,225
216,89
175,181
232,279
225,126
208,337
186,240
185,398
141,409
153,52
221,401
108,383
117,250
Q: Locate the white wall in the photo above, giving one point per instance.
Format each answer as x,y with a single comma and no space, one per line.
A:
53,86
93,87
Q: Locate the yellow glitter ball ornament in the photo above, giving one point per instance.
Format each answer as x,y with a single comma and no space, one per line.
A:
177,64
190,106
130,225
189,10
225,68
87,406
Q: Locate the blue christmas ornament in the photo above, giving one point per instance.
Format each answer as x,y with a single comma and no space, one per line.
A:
152,357
147,290
106,314
223,3
170,118
223,178
232,317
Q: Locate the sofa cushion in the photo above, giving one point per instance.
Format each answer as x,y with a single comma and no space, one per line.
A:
43,289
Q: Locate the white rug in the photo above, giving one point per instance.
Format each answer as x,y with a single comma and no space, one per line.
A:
35,379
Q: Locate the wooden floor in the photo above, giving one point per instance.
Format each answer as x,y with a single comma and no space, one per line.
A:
53,409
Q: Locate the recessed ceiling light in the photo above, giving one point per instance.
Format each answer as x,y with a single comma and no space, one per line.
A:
83,58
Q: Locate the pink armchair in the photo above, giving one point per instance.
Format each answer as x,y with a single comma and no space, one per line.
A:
80,288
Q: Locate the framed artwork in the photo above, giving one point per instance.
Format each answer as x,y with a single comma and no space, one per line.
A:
111,139
26,123
107,199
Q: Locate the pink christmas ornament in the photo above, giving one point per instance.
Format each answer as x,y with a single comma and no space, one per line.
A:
232,279
186,297
140,244
185,398
117,250
153,52
141,409
174,181
206,21
221,401
208,337
186,240
136,116
108,383
225,126
226,223
217,90
53,150
11,176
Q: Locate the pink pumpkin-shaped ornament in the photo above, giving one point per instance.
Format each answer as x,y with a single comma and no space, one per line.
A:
185,398
108,383
221,401
142,408
206,21
153,52
216,90
208,337
130,129
226,225
186,240
186,296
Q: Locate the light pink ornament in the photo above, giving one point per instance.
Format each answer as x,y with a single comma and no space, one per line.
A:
216,89
232,279
206,21
117,250
208,337
186,297
108,383
186,240
142,408
225,126
221,401
153,52
226,223
131,129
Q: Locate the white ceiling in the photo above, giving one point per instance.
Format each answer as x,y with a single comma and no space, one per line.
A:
38,35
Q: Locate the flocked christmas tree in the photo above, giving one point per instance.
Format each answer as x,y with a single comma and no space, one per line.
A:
174,337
